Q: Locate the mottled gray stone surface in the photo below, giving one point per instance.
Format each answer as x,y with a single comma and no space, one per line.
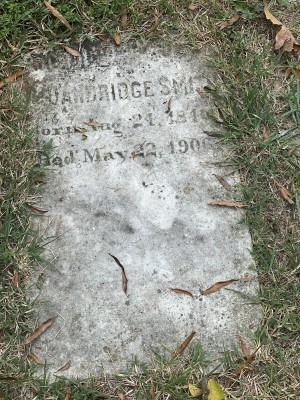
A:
136,185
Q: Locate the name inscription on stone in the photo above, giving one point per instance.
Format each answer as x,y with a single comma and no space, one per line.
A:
131,174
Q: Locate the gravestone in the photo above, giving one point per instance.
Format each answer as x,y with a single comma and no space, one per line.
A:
130,178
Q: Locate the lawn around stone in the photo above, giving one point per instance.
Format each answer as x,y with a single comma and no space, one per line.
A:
134,169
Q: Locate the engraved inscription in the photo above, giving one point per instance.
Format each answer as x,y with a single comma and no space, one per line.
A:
94,91
145,150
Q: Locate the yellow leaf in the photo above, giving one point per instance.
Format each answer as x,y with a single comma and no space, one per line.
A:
215,391
195,391
271,17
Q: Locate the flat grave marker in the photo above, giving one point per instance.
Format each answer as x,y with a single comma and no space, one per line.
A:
131,176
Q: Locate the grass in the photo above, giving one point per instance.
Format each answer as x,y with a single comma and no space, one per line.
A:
260,108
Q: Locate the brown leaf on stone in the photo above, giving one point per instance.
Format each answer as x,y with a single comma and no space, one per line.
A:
71,51
117,39
121,396
226,204
133,155
182,291
155,22
16,279
243,346
12,77
65,367
183,346
271,17
34,357
124,21
152,391
39,330
229,22
124,277
68,394
94,124
284,192
58,15
284,40
37,210
217,286
223,182
194,6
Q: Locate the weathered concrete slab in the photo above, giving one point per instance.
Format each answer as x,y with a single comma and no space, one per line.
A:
132,176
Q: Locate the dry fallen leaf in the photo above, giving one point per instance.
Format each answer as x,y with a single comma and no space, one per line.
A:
295,71
152,391
284,40
223,182
271,17
243,346
284,192
297,48
58,15
215,390
117,39
241,368
12,77
121,396
194,7
229,22
155,21
71,51
226,204
183,346
217,286
124,22
65,367
94,124
34,357
37,210
124,277
68,394
16,279
133,155
181,291
39,330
